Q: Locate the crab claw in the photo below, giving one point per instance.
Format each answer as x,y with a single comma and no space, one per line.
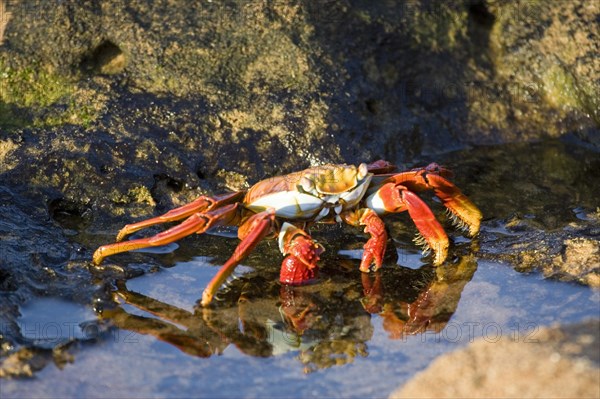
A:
392,197
461,211
295,272
300,264
374,249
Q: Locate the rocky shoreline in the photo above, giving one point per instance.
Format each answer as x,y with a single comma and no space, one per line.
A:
116,111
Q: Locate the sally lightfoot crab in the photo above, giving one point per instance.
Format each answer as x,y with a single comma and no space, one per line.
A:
286,205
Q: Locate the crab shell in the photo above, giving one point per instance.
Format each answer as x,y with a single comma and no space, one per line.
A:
311,194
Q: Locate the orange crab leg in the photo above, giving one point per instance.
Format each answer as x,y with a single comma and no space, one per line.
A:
201,204
469,216
251,232
374,249
197,223
394,198
434,177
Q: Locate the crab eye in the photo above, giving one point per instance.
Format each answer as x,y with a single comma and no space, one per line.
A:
362,171
307,184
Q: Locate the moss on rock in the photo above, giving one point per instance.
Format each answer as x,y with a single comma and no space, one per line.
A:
547,70
37,96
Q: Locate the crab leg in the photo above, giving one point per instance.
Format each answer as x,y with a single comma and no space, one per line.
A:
197,223
374,249
434,177
200,204
300,264
394,198
251,232
465,214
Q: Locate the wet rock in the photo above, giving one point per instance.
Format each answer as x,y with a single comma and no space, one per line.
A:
309,82
566,255
546,65
579,259
558,362
36,259
569,254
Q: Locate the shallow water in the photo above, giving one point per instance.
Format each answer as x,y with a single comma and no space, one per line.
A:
347,335
128,362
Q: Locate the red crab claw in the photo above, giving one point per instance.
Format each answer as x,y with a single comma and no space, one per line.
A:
463,213
373,293
393,322
374,249
300,264
393,198
298,308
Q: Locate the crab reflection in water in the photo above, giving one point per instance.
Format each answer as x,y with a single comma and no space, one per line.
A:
328,323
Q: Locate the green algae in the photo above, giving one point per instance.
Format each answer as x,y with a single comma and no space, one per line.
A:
35,96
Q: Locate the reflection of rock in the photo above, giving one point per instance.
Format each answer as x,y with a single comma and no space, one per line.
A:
27,361
557,362
18,364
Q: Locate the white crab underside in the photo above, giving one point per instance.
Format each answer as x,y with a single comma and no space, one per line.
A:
296,205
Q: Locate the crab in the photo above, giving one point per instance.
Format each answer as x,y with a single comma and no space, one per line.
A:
285,206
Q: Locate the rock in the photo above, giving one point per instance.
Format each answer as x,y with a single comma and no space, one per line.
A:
3,20
580,259
141,94
568,255
558,362
305,82
546,64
